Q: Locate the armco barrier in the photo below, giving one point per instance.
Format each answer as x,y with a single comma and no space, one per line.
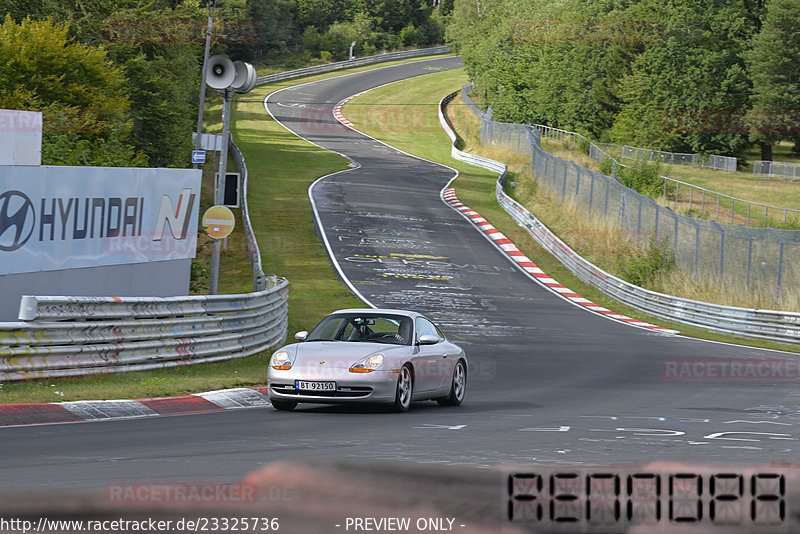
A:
70,336
762,324
358,62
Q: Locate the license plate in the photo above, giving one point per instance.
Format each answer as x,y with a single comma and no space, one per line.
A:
314,386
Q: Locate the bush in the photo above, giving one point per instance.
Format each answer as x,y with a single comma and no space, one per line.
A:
606,166
643,176
644,265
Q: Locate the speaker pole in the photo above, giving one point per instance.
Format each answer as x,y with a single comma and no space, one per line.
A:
219,191
198,141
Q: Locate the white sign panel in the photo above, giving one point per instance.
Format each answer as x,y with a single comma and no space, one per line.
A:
20,137
54,218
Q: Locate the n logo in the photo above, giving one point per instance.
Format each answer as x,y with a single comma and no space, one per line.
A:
179,222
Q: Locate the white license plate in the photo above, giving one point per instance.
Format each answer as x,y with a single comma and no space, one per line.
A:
314,386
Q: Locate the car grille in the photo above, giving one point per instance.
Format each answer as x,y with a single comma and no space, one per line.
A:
342,392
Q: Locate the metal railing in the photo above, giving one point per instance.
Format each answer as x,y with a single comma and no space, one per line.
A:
368,60
253,251
764,260
709,161
72,336
772,325
713,204
777,169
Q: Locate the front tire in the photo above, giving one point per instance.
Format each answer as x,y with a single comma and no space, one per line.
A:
405,387
284,406
458,388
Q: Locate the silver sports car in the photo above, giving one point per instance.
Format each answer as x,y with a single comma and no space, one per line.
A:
368,356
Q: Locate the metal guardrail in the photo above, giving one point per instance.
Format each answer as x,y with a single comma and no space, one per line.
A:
368,60
253,251
72,336
772,325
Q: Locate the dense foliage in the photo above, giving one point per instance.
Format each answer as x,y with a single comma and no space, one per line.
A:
118,80
679,75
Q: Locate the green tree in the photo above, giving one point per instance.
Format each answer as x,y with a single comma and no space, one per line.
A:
774,64
81,93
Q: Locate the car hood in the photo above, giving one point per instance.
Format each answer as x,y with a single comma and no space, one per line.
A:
343,351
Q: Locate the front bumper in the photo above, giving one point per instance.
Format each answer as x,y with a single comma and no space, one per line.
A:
375,387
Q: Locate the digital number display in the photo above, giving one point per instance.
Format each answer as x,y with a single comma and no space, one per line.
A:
611,500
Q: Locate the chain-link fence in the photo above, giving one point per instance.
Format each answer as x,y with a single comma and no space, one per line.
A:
709,161
779,169
760,259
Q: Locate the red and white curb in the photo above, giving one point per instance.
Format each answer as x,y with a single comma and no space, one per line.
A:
97,410
337,111
507,246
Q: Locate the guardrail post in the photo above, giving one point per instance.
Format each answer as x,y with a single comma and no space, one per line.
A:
591,192
748,214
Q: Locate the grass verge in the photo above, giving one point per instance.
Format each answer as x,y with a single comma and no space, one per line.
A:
281,167
413,126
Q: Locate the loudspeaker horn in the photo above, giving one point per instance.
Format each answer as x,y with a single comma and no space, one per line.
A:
220,72
245,78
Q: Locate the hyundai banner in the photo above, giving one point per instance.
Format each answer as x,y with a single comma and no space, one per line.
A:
54,218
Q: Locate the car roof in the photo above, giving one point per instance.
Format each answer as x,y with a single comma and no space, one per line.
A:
387,311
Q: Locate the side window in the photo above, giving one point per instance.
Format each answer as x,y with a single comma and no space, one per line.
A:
441,335
426,328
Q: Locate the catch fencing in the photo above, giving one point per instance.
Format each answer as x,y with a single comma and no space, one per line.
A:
764,260
771,325
777,169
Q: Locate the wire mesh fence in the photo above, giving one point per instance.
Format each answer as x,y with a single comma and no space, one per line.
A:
758,259
777,169
709,161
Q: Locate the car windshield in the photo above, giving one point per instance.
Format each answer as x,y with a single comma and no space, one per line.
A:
369,328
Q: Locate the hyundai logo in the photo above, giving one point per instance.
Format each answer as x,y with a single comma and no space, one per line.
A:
16,211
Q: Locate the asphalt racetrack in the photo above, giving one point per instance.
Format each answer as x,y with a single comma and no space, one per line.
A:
549,383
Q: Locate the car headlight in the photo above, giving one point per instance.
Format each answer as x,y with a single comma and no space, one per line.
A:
367,365
281,361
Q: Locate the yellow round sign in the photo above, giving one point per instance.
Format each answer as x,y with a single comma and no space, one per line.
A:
219,221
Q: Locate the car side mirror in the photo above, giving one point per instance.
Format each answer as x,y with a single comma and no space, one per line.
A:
428,339
301,335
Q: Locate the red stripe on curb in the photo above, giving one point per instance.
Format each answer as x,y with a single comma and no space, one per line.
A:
35,413
176,405
523,261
